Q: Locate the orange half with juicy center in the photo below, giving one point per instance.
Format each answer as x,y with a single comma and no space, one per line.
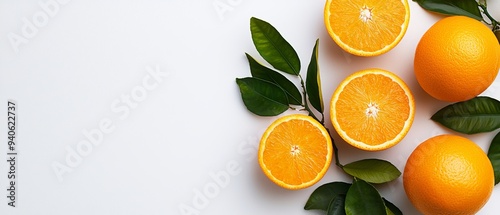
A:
372,109
295,151
367,27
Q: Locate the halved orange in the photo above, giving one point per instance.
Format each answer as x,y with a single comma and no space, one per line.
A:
367,27
295,151
372,109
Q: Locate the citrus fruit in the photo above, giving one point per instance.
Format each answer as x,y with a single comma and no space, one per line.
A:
457,59
448,174
372,109
367,27
295,151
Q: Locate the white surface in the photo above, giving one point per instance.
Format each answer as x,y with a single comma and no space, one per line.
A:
81,64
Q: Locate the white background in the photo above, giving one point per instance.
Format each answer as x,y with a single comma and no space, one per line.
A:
163,150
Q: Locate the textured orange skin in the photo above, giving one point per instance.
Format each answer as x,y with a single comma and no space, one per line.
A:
457,59
448,174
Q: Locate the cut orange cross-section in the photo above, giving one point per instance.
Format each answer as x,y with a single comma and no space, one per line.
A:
372,109
367,27
295,151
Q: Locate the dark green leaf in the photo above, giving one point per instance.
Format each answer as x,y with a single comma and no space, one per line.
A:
337,205
392,208
273,47
262,97
322,196
468,8
363,198
494,156
480,114
260,71
372,170
313,81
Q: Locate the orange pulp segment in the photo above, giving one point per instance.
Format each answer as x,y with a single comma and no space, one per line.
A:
372,109
295,151
367,27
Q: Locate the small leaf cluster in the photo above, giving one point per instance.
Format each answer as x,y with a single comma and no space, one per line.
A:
358,197
474,9
269,92
477,115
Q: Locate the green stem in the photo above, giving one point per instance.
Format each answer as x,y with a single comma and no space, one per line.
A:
335,151
305,103
494,22
322,118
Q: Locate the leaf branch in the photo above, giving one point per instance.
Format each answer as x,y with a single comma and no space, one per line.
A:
494,23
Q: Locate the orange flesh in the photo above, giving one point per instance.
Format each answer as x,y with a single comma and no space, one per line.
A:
367,25
372,109
295,152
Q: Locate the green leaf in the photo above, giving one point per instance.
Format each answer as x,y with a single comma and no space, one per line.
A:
480,114
337,205
372,170
313,81
392,208
494,156
321,197
468,8
363,198
262,97
273,47
260,71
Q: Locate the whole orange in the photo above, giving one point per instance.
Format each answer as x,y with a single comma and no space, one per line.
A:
457,59
448,174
